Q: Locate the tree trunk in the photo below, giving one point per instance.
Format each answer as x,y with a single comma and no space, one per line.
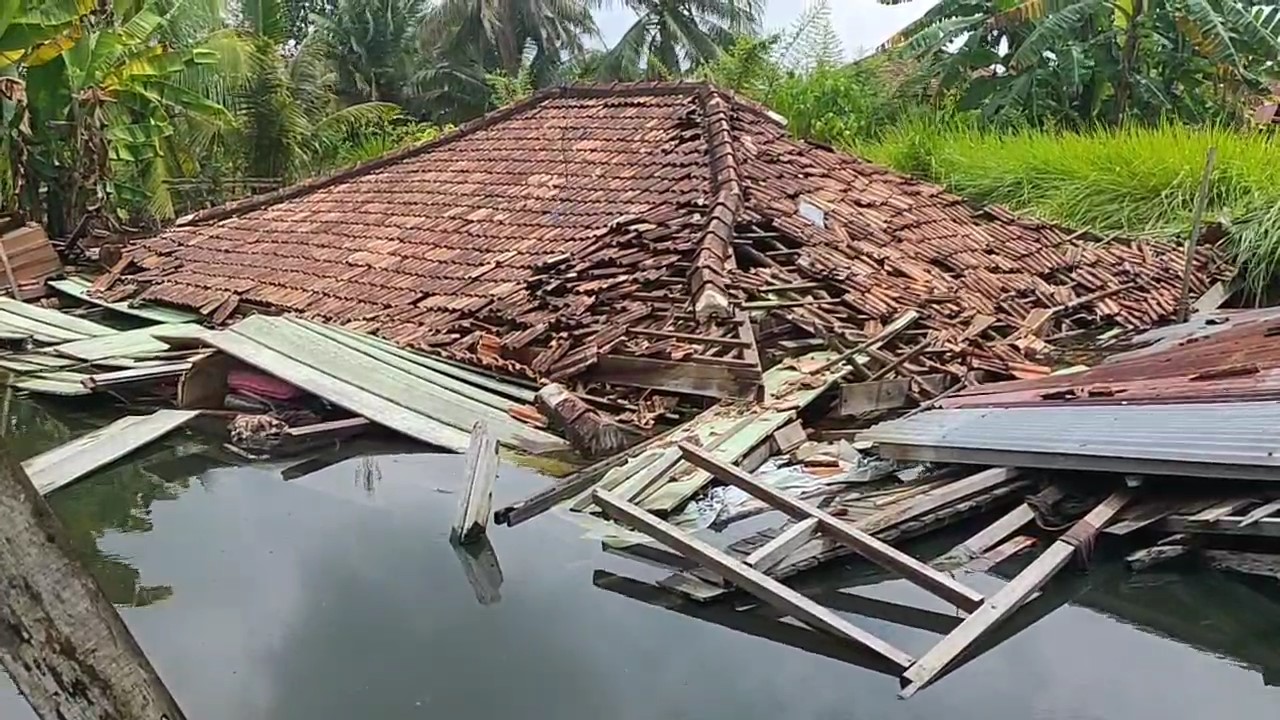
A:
61,641
1127,56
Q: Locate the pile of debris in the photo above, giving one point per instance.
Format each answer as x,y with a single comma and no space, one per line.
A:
646,245
600,263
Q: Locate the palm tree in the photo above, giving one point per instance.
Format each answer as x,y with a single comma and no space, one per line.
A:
467,41
670,38
290,119
372,45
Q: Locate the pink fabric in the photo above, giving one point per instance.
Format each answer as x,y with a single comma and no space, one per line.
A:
256,384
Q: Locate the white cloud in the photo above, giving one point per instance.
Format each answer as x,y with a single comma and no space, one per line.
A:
862,24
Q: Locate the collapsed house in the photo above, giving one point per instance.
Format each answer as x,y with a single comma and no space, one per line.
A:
644,242
666,254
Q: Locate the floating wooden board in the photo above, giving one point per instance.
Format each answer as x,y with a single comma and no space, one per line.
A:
67,463
477,498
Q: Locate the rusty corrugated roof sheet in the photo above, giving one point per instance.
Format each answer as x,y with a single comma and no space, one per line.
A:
538,239
1227,357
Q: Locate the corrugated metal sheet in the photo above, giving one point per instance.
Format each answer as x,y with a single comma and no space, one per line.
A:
1229,440
46,326
78,288
1238,360
369,381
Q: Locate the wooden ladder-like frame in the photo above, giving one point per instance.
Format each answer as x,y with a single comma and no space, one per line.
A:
749,574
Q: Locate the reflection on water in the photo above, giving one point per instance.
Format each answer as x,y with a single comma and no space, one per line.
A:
118,499
326,589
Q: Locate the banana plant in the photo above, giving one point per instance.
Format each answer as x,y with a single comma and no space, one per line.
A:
1097,60
103,91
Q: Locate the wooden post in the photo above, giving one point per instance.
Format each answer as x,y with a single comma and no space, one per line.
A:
8,271
1009,598
61,640
1197,217
482,473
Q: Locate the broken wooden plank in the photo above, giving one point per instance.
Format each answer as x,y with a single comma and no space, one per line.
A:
67,463
882,554
691,337
941,497
1000,553
65,646
1266,527
868,397
1221,510
148,375
715,381
790,437
577,483
757,583
1266,510
778,549
987,538
895,327
477,499
1147,557
1009,598
789,388
1149,513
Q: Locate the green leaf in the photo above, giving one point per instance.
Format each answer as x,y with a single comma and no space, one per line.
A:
1208,32
140,27
138,132
1053,32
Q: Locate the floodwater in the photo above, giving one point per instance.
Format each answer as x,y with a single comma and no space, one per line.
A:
318,592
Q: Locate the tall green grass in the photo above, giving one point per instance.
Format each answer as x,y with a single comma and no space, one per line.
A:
1131,182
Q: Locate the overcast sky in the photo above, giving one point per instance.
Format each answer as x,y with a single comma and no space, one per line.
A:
862,24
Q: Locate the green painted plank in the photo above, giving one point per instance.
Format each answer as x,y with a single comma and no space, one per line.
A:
382,353
370,375
34,362
78,288
63,384
788,388
488,382
138,343
67,463
371,388
385,412
54,323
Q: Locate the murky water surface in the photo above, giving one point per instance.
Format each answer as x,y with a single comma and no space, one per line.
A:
314,591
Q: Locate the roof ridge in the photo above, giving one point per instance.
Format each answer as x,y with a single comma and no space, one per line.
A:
257,202
714,256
